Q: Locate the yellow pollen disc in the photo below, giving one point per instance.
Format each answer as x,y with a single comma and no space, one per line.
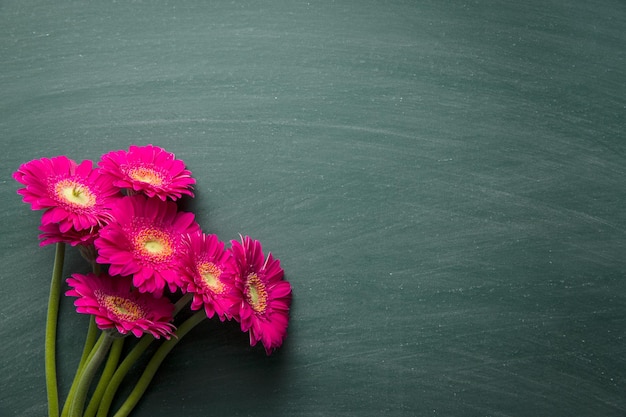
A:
121,307
154,244
147,175
74,193
210,276
256,293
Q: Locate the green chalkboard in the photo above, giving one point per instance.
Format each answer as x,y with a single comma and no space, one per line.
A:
443,182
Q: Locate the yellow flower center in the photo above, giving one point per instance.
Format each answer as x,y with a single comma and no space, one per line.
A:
74,193
122,308
209,272
154,244
147,175
256,293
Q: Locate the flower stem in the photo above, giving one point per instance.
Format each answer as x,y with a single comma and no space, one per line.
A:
90,341
120,373
156,361
181,303
51,331
107,374
87,374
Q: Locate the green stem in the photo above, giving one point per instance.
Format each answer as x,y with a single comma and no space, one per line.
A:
181,303
88,354
107,374
92,330
90,340
87,374
156,361
51,331
120,373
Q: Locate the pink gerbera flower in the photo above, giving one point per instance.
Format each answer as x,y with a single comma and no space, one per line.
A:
116,305
149,170
51,233
73,195
206,271
82,239
144,239
266,297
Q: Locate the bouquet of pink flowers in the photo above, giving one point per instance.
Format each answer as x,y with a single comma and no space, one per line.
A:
150,261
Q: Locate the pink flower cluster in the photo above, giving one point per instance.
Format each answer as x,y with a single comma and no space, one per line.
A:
124,212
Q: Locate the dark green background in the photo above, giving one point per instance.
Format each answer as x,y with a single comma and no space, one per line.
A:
443,182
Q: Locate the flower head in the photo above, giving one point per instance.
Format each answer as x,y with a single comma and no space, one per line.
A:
81,239
51,233
149,170
144,240
265,296
73,195
206,270
115,304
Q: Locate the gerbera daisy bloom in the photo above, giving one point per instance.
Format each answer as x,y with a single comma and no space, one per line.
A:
266,297
207,274
51,233
144,240
116,305
149,170
82,239
73,195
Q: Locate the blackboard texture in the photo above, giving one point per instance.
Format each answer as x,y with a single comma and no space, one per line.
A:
443,181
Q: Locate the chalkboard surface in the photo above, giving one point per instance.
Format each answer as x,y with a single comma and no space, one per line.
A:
443,182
